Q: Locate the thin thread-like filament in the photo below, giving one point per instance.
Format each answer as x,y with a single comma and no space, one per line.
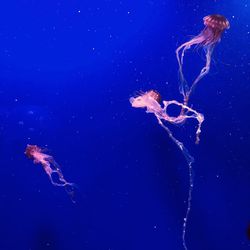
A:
205,70
184,88
189,159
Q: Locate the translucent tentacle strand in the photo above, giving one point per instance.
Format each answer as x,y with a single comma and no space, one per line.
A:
183,85
189,160
204,71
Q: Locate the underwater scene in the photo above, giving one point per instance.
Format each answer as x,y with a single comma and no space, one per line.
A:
125,125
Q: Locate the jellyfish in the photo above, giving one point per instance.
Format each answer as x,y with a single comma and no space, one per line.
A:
208,38
50,167
151,101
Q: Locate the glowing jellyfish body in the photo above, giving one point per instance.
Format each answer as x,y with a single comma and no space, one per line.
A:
208,38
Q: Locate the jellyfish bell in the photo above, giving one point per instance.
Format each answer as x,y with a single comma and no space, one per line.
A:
154,95
216,21
145,99
214,27
30,150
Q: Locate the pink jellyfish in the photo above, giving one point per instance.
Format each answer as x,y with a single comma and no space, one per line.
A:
50,167
208,38
150,100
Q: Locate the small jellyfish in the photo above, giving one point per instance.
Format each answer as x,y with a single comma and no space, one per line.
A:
51,167
208,38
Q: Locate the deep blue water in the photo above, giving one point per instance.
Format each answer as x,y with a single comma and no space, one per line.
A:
67,71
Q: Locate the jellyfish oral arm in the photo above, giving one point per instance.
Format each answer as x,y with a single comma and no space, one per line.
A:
184,88
49,171
186,114
205,70
189,159
50,167
179,144
57,170
185,46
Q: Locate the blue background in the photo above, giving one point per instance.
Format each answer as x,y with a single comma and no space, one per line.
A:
67,70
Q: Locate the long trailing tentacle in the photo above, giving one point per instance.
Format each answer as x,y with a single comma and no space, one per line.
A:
204,71
189,159
68,186
183,85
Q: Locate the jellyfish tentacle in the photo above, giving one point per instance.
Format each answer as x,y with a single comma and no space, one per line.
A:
179,144
189,159
56,183
204,71
184,88
189,201
57,169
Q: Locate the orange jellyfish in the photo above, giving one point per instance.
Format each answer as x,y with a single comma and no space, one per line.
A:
208,38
